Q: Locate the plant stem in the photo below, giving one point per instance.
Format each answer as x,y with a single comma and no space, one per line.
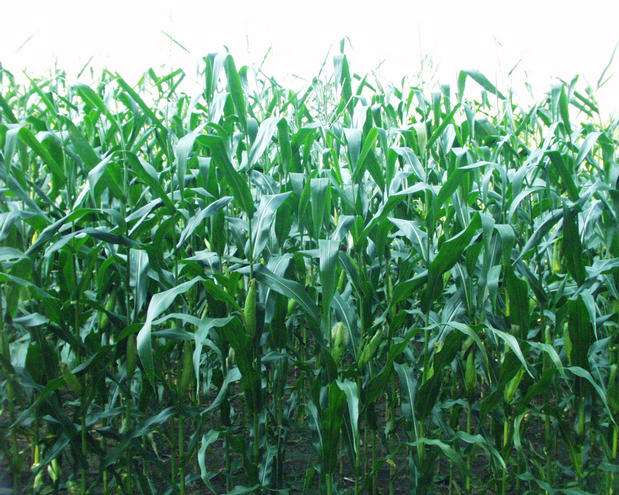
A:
128,429
329,483
256,428
84,453
227,461
5,351
36,457
547,428
580,434
505,441
374,474
181,454
548,434
469,453
611,484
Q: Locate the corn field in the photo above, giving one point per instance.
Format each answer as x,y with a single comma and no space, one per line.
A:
353,288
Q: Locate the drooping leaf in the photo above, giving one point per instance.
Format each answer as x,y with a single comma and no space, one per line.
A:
159,303
263,138
479,78
240,187
263,220
448,255
290,289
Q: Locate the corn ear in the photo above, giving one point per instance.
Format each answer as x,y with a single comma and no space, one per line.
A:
70,379
369,349
249,311
230,359
109,305
422,136
132,355
339,339
470,375
53,470
292,305
37,484
512,386
341,281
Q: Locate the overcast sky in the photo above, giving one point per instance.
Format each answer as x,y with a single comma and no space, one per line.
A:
543,39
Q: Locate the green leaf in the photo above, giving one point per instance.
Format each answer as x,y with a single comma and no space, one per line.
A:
138,269
587,146
285,149
448,255
564,109
512,343
82,146
31,141
181,154
412,232
264,219
508,239
42,294
480,79
568,179
454,179
50,231
359,165
483,442
448,451
583,373
207,440
200,336
93,178
580,333
158,304
572,249
139,431
89,96
342,79
438,132
146,173
263,139
351,391
240,187
11,254
236,90
290,289
196,220
319,193
6,108
328,251
552,353
408,386
143,106
518,292
549,220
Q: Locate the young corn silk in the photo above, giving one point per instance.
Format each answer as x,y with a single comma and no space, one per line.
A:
347,289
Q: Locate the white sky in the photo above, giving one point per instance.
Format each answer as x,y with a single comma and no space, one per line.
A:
546,38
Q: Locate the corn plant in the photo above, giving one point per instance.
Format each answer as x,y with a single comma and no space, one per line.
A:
355,288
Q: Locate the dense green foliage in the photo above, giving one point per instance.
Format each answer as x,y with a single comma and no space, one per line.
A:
349,289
